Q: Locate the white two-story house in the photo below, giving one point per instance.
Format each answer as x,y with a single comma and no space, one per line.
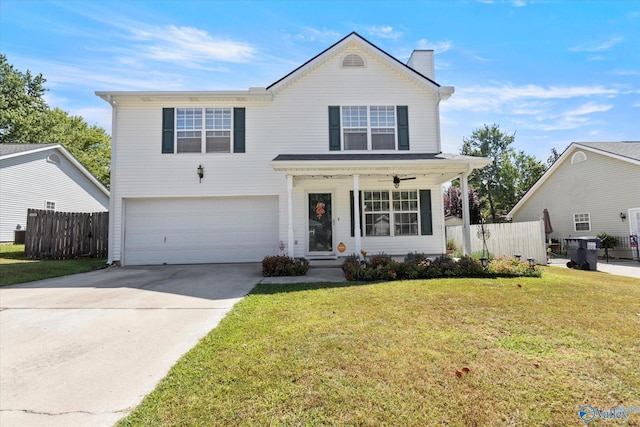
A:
340,155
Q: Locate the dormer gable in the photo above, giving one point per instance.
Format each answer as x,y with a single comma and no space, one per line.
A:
353,50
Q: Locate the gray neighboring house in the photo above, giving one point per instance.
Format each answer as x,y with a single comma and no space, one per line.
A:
593,187
44,176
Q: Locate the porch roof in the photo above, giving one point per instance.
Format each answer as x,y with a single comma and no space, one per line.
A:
438,167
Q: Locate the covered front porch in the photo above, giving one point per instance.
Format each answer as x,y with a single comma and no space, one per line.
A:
341,204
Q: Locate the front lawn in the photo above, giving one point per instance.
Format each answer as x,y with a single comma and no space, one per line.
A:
535,351
15,268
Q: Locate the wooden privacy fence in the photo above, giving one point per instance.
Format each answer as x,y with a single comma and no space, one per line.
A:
64,235
524,238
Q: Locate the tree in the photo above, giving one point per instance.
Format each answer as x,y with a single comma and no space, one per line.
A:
25,117
453,203
509,175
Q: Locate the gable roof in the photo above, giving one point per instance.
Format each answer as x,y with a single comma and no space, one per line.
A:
628,151
15,150
357,39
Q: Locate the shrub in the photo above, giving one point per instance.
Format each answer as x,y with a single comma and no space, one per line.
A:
282,265
415,257
470,267
511,266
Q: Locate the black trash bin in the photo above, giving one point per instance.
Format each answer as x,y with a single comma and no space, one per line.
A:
583,252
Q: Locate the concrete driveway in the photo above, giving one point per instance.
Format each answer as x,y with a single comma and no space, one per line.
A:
84,350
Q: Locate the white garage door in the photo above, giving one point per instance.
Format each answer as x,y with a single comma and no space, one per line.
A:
192,231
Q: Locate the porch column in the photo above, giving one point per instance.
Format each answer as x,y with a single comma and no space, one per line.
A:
466,228
356,214
290,241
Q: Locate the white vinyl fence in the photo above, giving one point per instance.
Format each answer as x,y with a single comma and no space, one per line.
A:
524,238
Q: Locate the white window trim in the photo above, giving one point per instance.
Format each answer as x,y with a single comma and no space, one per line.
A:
391,212
575,223
369,127
203,131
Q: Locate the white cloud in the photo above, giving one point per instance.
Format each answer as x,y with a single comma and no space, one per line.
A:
189,45
310,34
519,3
438,47
384,32
598,47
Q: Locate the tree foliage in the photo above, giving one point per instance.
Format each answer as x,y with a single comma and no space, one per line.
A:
453,203
510,174
25,117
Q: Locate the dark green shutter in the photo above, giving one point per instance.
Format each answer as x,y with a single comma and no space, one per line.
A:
238,130
426,226
334,128
167,130
403,127
353,217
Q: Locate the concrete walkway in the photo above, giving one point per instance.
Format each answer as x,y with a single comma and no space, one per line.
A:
83,350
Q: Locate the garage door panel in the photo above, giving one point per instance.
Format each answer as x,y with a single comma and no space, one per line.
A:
178,231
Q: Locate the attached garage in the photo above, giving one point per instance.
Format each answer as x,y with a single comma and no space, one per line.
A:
200,230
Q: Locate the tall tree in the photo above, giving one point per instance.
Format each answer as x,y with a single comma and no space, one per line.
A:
25,117
453,203
509,175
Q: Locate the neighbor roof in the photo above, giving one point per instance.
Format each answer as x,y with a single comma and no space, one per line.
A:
628,151
8,149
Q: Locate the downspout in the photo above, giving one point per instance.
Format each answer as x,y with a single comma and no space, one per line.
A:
466,235
112,183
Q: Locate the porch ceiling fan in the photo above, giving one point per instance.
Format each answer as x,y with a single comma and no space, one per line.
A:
397,179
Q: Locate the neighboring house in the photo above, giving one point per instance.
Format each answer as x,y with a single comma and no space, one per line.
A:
593,187
344,149
44,176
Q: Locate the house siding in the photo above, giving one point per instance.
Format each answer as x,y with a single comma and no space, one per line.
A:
601,186
28,180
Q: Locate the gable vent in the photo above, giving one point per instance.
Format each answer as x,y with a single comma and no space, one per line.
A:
578,157
353,61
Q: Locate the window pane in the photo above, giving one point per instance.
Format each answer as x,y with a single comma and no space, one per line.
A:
218,142
406,224
377,225
189,118
355,140
189,145
384,141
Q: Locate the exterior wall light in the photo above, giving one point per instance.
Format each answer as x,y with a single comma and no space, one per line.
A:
622,216
200,172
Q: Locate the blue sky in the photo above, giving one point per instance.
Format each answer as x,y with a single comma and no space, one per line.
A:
553,72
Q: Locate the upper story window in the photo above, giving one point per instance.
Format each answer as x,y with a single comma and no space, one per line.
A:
211,135
361,127
369,128
582,222
203,130
50,205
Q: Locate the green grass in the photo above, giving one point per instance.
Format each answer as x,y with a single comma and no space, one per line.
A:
387,354
15,268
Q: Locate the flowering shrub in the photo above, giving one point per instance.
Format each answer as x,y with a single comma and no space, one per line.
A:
382,267
282,265
510,266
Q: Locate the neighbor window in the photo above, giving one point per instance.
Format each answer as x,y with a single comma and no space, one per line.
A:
582,222
369,128
388,214
49,205
205,130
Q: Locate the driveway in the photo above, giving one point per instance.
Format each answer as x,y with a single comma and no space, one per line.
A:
85,349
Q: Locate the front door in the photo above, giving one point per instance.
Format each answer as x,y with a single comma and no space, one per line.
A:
320,223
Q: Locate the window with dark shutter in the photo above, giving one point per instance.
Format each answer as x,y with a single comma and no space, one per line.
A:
334,128
426,225
238,130
167,130
403,127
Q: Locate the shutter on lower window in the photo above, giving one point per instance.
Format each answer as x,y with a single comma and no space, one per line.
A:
426,225
353,217
167,131
403,127
334,128
238,130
